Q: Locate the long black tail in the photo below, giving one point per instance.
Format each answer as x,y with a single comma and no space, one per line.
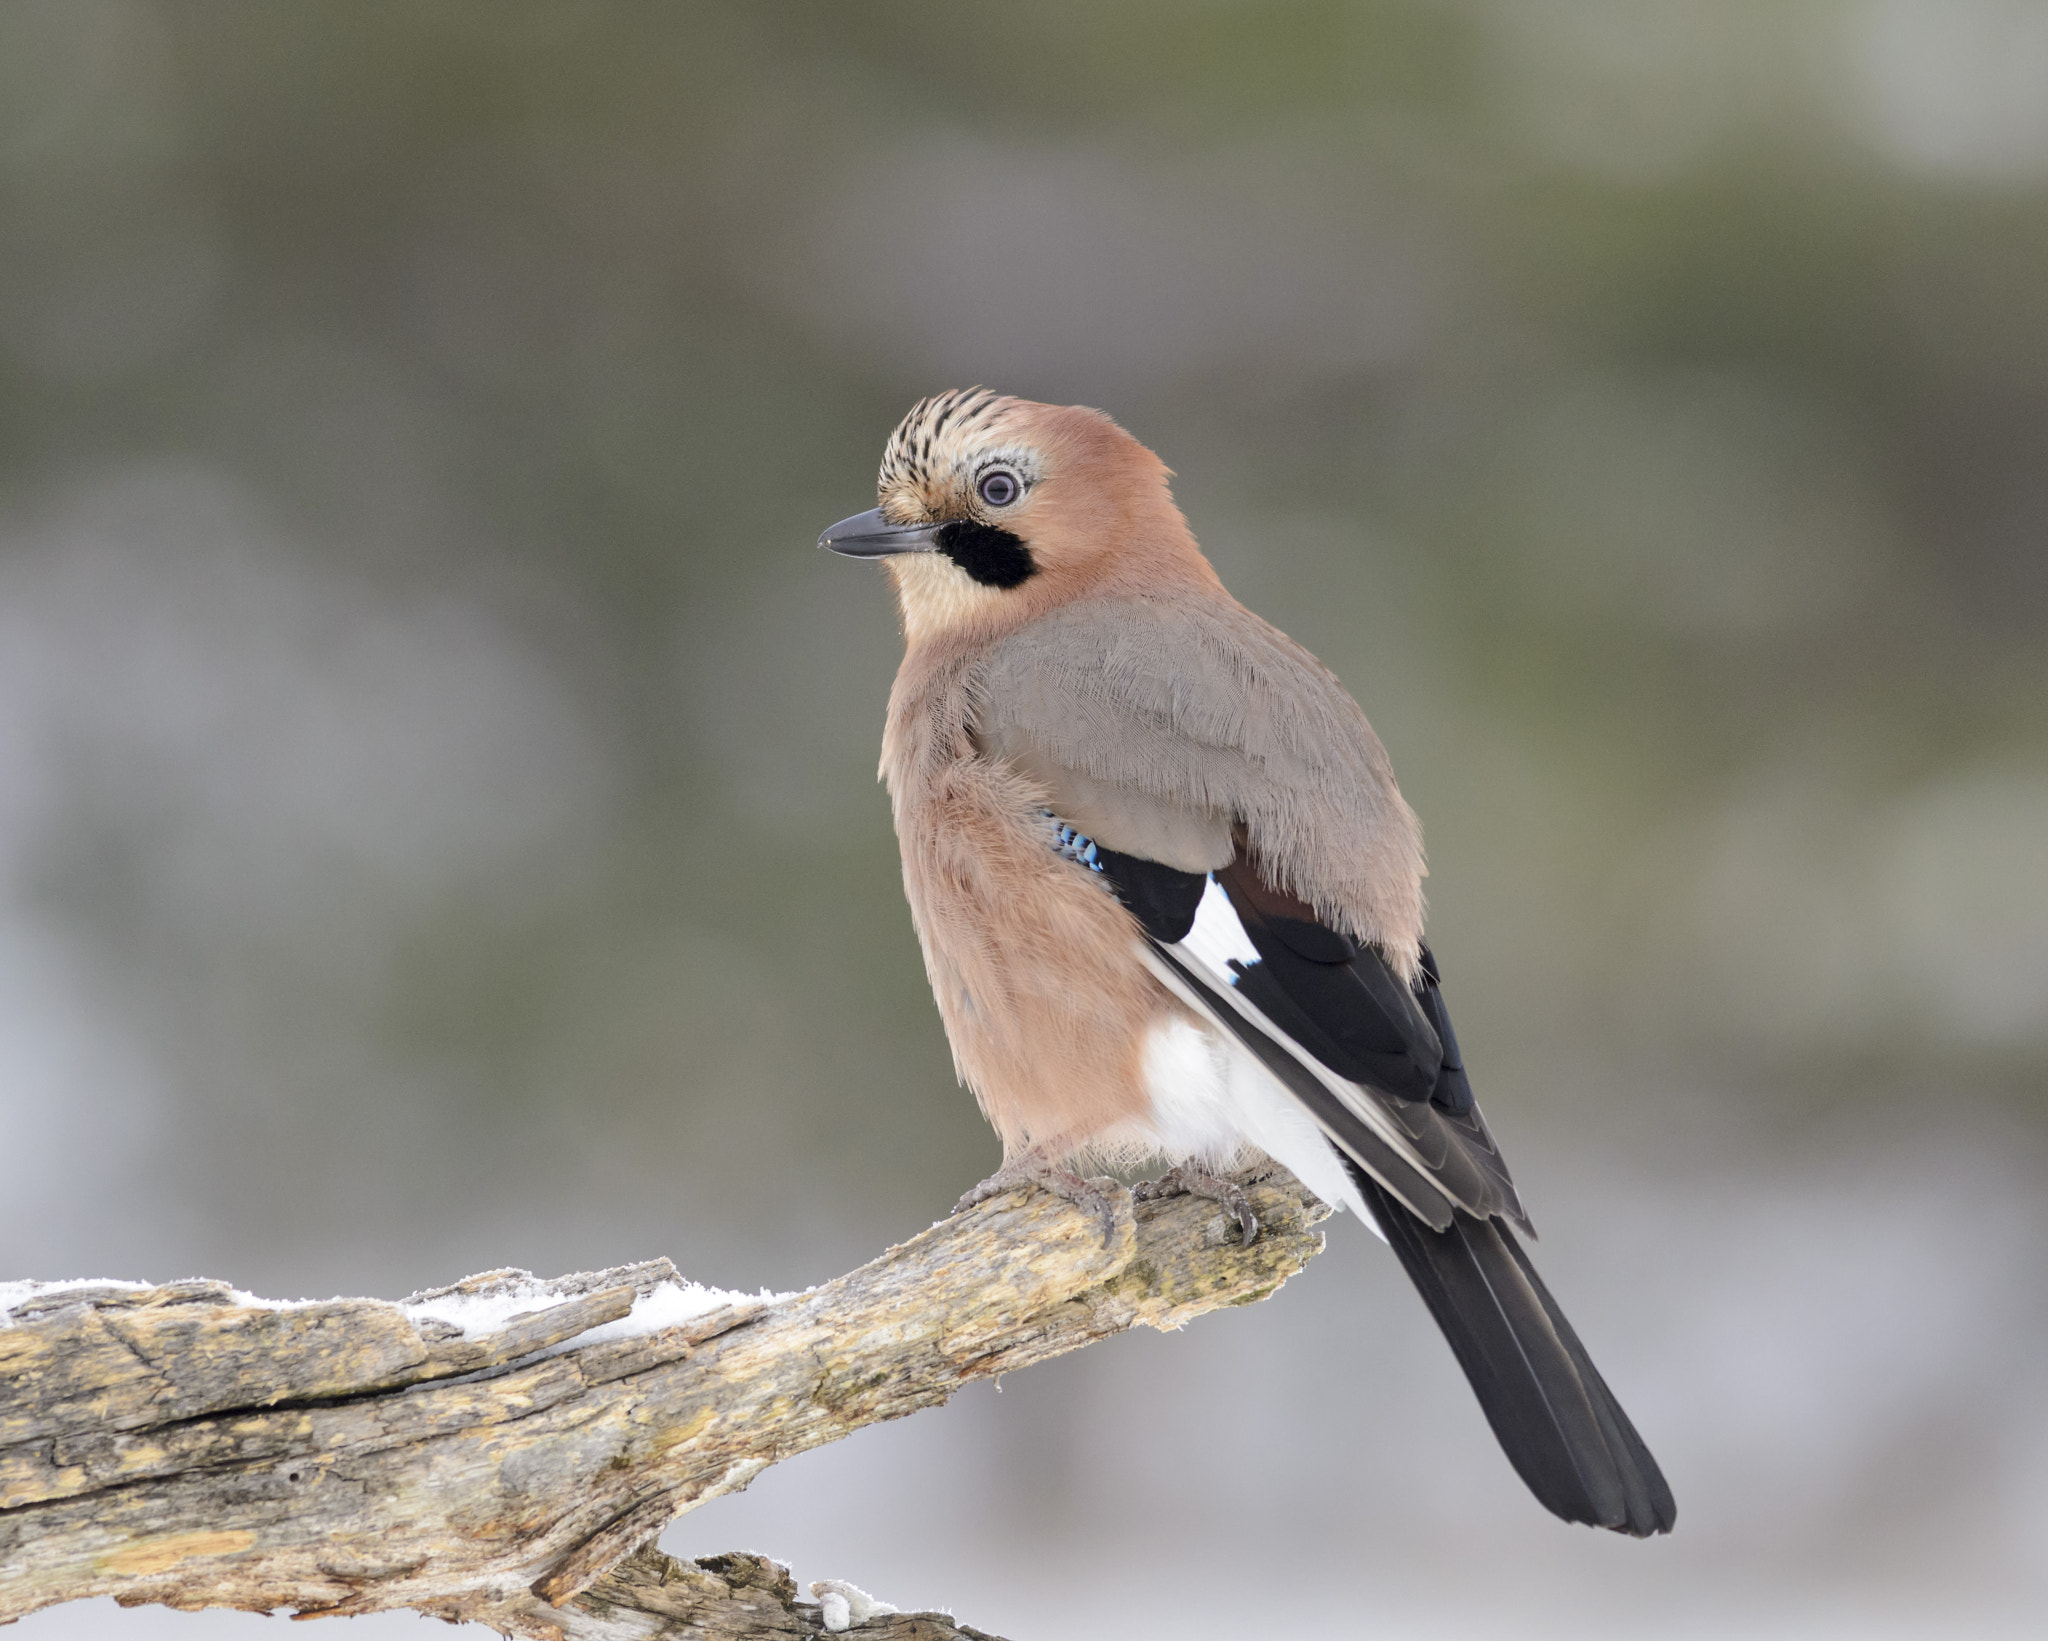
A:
1559,1423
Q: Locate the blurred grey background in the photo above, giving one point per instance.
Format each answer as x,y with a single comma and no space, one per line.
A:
437,817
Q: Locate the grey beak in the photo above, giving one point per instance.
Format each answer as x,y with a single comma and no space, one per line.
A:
869,535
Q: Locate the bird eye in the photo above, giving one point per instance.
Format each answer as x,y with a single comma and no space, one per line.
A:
999,487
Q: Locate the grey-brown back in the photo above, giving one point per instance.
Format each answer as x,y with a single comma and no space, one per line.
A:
1189,715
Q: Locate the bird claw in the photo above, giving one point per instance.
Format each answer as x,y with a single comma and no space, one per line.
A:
1097,1197
1183,1181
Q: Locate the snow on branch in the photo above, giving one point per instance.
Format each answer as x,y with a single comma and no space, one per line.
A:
506,1450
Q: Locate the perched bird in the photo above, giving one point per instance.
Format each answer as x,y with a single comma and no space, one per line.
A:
1170,897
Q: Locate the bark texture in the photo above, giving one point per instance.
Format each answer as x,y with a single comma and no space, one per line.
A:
189,1446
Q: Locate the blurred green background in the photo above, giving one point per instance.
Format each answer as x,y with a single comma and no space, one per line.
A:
437,824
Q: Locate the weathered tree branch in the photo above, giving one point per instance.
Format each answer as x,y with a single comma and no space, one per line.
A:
191,1446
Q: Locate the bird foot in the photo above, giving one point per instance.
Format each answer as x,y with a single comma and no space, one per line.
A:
1094,1196
1183,1181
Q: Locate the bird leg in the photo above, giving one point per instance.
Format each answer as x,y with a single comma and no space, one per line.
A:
1185,1180
1094,1196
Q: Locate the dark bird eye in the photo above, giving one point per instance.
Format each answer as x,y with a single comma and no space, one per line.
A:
999,488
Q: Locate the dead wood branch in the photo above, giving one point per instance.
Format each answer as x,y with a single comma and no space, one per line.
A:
191,1446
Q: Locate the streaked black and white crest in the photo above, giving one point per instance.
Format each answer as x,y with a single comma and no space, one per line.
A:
930,441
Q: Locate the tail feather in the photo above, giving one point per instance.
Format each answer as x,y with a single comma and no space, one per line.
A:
1647,1495
1552,1412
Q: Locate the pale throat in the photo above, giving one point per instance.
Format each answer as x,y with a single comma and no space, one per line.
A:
936,596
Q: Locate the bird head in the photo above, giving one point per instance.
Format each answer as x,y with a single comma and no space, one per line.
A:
994,509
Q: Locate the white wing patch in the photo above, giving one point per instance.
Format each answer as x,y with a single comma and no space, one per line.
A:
1217,940
1211,1098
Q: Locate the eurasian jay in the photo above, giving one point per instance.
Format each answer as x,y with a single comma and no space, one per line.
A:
1170,897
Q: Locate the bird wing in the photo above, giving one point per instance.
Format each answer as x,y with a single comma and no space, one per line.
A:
1373,1059
1244,810
1176,725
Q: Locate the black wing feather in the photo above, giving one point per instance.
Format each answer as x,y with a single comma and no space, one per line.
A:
1162,898
1414,1189
1343,1003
